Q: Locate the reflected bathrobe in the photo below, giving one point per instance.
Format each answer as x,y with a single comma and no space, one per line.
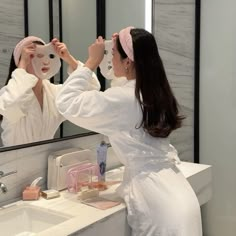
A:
23,119
159,199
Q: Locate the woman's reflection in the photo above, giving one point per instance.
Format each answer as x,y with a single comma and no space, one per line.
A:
27,101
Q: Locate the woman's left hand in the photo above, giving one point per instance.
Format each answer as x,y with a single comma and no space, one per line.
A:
61,49
63,52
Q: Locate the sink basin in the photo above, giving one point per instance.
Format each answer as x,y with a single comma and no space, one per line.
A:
28,220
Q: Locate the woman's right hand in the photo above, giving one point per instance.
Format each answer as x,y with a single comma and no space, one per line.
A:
96,53
63,52
27,54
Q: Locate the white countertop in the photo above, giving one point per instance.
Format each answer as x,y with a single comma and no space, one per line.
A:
83,216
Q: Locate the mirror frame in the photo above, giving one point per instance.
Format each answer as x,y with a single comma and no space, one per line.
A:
100,11
196,138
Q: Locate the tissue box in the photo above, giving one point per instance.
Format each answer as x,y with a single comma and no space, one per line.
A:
31,193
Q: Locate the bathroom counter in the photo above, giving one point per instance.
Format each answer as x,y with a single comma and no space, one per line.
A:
87,221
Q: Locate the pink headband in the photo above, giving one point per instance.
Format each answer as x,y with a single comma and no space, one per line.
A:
22,44
126,42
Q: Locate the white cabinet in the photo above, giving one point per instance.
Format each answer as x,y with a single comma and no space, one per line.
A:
115,225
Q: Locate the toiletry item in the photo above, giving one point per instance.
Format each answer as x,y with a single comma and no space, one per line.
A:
36,181
61,161
101,203
99,185
101,159
32,192
89,193
81,175
49,194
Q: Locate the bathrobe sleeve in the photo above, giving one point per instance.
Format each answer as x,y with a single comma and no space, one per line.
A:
16,93
92,109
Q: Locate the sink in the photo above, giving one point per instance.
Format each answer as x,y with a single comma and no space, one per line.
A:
28,220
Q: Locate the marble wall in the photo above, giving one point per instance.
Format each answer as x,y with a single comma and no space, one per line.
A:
11,31
31,163
174,26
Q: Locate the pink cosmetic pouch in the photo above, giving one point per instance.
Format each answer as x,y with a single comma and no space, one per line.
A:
82,175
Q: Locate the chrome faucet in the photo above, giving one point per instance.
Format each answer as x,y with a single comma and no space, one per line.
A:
3,188
2,174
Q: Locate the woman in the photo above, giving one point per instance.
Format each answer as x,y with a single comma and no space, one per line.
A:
138,118
27,102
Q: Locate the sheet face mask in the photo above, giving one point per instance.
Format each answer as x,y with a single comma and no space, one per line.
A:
106,66
46,63
106,63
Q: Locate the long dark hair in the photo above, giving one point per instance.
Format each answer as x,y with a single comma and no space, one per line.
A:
13,66
152,90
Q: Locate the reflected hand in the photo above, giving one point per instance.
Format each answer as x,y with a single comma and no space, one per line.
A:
61,49
63,52
27,54
96,53
114,35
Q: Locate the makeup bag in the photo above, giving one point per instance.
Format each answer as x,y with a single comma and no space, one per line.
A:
60,162
82,175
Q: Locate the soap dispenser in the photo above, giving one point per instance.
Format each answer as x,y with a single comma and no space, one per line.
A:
32,192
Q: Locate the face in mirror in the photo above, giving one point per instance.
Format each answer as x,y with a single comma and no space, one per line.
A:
72,30
46,63
27,102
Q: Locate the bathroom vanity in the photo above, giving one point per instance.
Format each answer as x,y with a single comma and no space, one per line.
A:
66,215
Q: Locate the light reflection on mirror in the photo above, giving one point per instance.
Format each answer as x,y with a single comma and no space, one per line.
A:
79,31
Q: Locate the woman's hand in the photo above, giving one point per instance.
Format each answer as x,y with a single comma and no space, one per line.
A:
63,52
27,54
96,53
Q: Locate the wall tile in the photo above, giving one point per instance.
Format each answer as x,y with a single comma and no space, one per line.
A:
11,31
174,31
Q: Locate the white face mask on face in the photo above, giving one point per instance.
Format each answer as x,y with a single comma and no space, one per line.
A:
46,63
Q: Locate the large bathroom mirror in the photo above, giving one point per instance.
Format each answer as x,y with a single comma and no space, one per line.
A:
75,22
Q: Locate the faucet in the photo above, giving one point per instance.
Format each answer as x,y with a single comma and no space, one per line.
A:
2,174
3,188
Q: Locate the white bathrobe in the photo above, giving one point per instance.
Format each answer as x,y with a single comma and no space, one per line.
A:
159,199
23,119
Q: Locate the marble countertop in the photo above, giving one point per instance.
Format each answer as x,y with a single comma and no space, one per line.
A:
83,216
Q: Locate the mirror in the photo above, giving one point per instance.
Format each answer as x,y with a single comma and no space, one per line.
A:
78,35
53,21
64,19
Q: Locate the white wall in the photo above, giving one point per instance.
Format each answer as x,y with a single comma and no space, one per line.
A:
123,13
218,113
38,23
